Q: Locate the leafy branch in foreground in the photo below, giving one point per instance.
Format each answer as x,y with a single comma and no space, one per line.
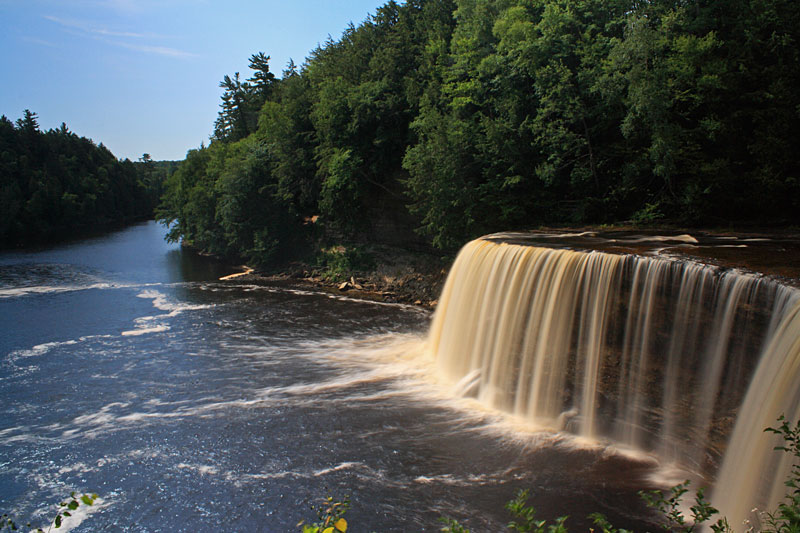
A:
525,519
331,517
452,526
527,514
65,510
701,511
787,517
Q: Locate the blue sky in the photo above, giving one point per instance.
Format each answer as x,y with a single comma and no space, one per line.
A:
143,75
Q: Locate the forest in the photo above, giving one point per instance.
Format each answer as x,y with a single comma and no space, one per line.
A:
56,185
448,119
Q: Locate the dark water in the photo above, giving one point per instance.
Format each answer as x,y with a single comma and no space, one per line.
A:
192,404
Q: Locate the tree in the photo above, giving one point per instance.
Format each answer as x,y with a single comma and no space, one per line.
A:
262,79
487,115
233,120
29,123
55,184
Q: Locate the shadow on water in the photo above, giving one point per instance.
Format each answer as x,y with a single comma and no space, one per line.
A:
187,265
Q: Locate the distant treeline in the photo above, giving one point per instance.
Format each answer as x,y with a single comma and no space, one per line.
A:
481,115
55,184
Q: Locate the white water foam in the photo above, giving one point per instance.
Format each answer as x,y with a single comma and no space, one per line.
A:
240,479
162,302
142,325
16,292
43,349
39,349
45,289
462,481
685,238
341,466
143,331
156,324
403,362
203,470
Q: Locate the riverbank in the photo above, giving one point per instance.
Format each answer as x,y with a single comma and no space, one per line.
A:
397,276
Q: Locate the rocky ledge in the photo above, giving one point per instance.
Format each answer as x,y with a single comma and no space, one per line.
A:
417,281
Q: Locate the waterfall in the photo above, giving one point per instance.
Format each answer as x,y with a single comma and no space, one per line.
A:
682,360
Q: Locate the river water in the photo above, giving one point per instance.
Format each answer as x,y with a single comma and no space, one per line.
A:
192,404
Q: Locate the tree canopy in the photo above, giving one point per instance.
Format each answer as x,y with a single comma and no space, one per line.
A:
472,116
55,184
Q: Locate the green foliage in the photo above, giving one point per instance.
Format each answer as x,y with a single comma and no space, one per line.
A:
55,184
604,526
526,517
488,115
330,516
338,263
242,100
787,517
675,520
188,206
452,526
65,510
649,214
340,197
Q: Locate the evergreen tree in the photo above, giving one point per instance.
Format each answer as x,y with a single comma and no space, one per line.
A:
262,80
233,121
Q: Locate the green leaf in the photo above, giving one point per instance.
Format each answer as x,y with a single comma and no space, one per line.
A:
58,521
87,499
73,505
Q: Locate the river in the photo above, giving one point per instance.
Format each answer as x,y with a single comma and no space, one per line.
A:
192,404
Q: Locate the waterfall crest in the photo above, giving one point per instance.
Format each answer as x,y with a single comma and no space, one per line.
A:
682,360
